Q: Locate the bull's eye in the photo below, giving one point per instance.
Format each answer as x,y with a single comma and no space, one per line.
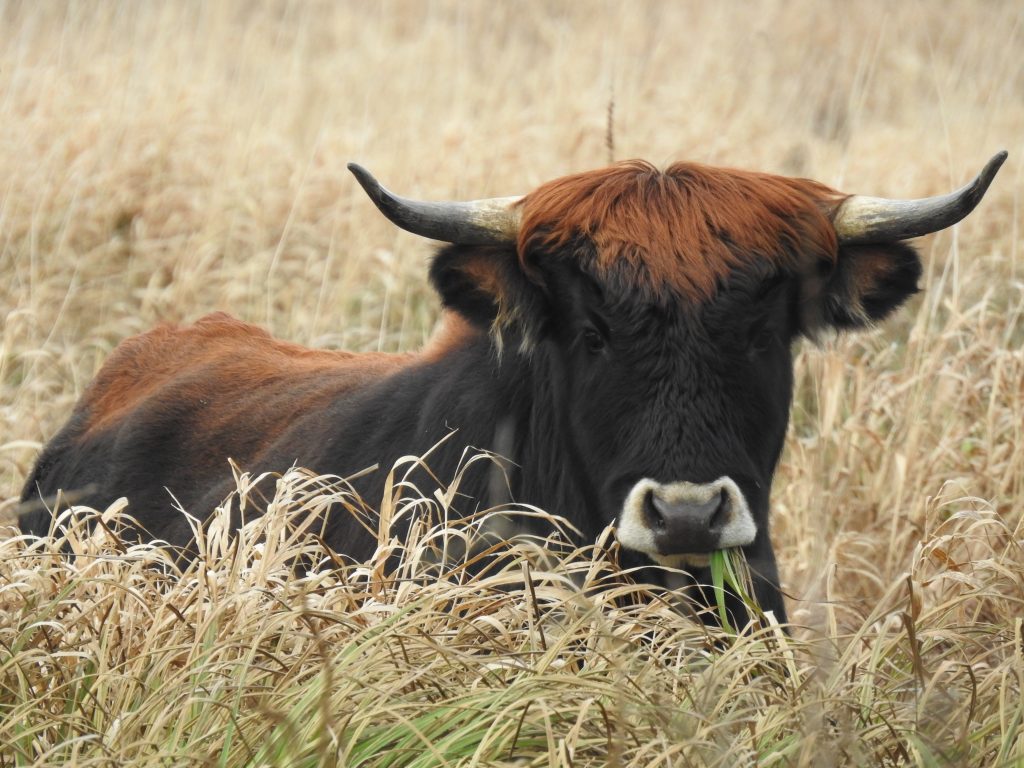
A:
593,341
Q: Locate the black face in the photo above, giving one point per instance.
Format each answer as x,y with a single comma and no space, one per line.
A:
677,393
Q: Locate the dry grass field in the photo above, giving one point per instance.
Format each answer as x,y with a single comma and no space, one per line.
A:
163,160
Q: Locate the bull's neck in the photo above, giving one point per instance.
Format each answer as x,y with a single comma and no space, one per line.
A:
529,412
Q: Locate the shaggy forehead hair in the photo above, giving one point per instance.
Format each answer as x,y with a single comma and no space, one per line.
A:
681,232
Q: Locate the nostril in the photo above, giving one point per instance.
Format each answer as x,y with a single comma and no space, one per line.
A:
721,514
654,516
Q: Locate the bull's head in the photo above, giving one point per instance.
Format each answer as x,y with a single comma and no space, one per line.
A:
670,301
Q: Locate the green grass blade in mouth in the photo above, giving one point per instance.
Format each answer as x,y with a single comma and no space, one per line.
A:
718,568
729,570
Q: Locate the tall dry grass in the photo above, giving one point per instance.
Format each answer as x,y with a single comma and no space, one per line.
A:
158,161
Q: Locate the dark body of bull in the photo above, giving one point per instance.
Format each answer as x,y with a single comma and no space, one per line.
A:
627,332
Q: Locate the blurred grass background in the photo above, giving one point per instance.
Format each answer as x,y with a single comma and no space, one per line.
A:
162,160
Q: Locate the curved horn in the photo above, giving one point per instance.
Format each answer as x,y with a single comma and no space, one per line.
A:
493,221
861,220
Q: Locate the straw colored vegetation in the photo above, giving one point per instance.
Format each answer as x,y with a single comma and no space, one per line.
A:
161,160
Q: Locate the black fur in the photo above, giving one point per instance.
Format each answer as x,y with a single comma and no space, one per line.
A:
855,299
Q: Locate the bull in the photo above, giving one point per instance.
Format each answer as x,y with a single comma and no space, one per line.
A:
623,336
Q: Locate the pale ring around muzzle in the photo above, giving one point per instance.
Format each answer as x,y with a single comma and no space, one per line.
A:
678,524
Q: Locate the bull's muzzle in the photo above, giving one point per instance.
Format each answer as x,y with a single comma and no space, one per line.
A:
672,522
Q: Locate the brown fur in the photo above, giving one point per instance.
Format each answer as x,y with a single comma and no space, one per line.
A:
221,364
452,331
684,230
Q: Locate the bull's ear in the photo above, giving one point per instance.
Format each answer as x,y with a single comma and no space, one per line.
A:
866,283
487,285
